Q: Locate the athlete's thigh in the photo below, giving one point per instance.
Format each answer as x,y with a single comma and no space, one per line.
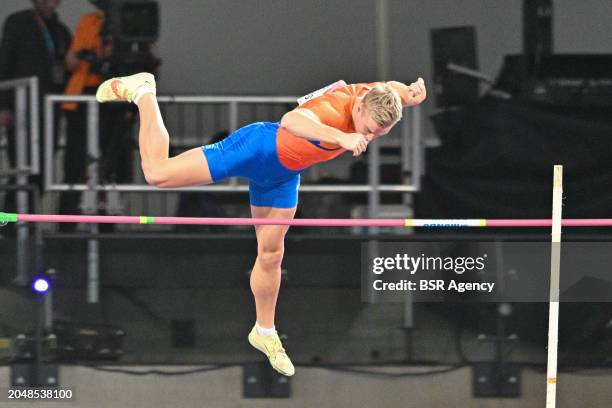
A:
271,236
189,168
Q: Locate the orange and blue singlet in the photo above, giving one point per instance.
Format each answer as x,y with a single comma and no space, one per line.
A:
272,159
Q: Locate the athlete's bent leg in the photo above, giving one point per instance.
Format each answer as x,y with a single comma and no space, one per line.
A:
266,275
187,169
265,284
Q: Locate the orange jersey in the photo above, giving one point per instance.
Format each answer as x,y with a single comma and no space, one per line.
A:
333,109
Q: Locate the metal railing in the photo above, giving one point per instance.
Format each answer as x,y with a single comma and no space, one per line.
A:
26,88
26,134
410,135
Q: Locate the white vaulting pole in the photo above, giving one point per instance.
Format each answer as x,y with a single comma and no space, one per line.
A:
555,266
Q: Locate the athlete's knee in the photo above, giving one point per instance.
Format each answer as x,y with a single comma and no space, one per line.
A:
155,177
270,257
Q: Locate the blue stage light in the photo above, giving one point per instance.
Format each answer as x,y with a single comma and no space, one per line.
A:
40,285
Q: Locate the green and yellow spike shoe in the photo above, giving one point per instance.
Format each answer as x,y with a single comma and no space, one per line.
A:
272,347
124,88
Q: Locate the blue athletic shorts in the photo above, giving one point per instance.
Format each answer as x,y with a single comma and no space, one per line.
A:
250,152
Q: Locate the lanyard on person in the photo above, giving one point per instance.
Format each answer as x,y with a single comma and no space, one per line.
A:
57,71
45,31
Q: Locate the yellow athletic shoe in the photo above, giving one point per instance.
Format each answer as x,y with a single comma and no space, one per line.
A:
272,347
124,88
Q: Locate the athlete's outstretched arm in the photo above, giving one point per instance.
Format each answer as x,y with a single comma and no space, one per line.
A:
412,94
307,125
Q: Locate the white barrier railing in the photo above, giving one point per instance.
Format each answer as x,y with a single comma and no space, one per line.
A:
26,110
410,134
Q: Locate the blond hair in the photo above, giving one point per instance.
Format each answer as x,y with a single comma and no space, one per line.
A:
384,104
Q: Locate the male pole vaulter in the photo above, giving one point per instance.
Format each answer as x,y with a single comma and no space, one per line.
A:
271,155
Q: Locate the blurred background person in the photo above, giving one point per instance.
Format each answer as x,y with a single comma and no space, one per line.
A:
94,55
34,43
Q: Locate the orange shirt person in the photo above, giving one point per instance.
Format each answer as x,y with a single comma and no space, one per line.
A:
86,51
271,156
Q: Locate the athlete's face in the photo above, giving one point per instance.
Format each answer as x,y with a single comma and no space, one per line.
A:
367,126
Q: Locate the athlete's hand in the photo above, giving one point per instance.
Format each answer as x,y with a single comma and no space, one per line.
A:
416,92
356,142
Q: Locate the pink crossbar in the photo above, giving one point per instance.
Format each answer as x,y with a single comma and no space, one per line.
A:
314,222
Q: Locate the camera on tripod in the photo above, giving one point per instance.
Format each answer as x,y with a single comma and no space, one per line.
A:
132,27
